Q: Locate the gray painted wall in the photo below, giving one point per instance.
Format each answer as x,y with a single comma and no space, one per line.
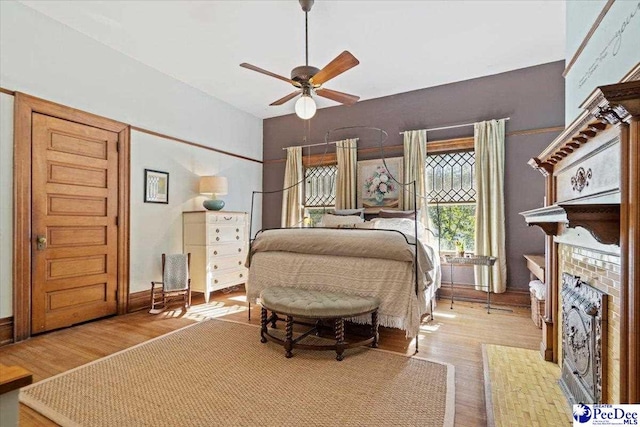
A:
533,97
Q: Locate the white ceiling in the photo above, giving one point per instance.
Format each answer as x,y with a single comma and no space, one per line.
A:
401,45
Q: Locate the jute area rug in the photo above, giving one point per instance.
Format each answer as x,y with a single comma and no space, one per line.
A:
521,389
217,373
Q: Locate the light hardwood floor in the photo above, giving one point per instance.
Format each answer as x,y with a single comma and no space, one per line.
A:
455,336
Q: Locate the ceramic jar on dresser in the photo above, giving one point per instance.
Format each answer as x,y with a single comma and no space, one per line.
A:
218,242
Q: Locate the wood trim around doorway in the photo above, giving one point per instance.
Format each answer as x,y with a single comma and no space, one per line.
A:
25,106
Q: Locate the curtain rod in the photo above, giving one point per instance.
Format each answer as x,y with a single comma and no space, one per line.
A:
452,127
318,144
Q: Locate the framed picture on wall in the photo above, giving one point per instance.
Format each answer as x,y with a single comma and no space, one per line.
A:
156,186
376,186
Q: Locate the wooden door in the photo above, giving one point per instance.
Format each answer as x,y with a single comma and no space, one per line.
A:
74,223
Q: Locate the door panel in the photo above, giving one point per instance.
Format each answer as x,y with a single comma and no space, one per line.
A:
66,298
77,266
66,174
60,237
86,144
75,204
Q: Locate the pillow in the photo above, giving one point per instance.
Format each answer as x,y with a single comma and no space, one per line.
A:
348,212
396,214
334,221
348,226
366,225
403,225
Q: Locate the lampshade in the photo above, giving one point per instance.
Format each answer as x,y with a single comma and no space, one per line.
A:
213,185
305,107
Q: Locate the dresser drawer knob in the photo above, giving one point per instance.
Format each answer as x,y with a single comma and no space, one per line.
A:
237,230
240,274
239,249
215,252
215,280
237,237
215,267
239,262
229,218
217,230
217,238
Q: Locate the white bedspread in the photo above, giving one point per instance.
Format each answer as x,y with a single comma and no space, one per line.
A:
361,262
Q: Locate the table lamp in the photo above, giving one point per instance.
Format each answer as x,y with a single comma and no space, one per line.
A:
213,186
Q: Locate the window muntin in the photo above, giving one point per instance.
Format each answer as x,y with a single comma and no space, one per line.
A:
451,196
450,177
320,186
319,192
450,185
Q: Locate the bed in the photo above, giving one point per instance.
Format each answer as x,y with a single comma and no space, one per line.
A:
367,262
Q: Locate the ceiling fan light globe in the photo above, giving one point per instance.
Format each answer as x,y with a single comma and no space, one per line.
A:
305,107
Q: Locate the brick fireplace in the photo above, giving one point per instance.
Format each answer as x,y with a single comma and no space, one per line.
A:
592,222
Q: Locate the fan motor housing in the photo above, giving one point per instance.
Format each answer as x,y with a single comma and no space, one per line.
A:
306,4
303,73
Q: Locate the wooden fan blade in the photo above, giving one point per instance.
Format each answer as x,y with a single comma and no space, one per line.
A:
286,98
339,65
268,73
341,97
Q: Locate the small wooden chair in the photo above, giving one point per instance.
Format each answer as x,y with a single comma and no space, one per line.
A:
175,282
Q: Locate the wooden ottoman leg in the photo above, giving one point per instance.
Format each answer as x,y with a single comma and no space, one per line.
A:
288,342
263,325
339,339
374,328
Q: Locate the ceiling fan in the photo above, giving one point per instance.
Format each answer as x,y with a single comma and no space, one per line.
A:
309,79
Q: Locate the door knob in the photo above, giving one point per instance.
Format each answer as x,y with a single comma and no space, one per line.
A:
41,243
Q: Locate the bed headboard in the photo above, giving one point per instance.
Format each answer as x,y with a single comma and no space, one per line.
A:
390,214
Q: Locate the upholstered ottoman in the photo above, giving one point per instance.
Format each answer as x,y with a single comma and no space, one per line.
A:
319,306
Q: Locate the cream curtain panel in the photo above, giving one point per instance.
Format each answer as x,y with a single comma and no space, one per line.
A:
415,157
292,198
347,156
490,231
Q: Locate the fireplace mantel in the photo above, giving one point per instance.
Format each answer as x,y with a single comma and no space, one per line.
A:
592,182
601,220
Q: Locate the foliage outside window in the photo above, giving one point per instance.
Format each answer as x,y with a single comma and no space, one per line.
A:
319,191
315,215
450,187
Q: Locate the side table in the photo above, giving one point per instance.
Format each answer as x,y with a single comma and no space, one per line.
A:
485,260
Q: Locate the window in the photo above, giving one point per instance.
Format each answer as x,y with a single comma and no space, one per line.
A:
319,191
451,196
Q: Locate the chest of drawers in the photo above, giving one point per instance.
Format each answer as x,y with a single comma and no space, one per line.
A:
218,243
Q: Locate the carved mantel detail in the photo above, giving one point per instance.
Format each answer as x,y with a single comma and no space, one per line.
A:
602,221
581,179
547,218
549,228
607,106
615,103
612,114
